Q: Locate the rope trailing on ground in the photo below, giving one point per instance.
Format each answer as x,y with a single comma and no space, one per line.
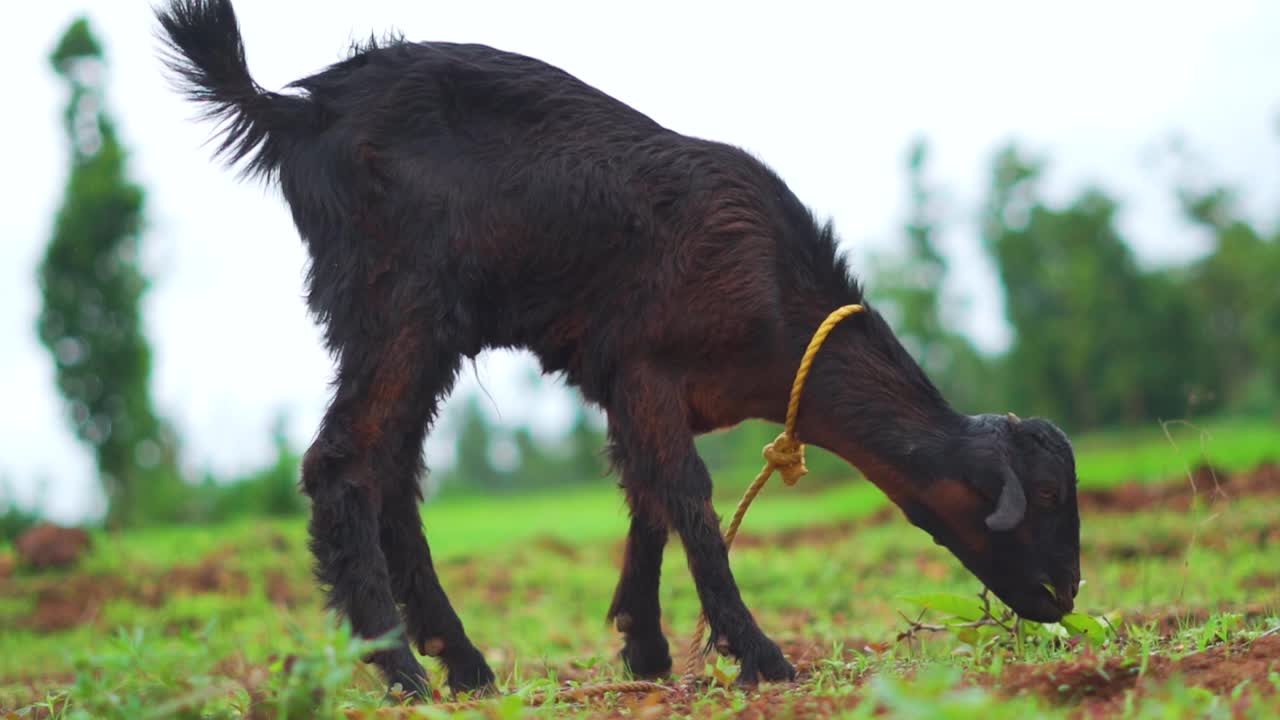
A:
784,455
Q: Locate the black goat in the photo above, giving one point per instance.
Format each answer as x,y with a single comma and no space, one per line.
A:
454,198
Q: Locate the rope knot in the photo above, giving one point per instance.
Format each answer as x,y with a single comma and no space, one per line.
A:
786,454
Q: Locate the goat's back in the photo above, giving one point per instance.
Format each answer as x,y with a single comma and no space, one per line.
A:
533,188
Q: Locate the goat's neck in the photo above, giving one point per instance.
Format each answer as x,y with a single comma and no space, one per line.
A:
869,403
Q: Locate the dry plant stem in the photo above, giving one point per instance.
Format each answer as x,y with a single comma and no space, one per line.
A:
988,619
586,692
1217,487
915,626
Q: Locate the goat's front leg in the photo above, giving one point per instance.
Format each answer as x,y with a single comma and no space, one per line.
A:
432,623
654,446
635,609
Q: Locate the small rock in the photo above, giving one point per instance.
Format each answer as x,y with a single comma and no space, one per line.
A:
47,545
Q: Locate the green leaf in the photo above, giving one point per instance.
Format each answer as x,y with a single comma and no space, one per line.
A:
1046,629
962,606
1082,624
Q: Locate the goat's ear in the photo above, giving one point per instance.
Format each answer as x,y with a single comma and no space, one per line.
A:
1011,506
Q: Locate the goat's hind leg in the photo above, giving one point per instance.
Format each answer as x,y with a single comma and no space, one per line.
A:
370,437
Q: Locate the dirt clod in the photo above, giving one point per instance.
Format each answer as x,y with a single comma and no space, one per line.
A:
65,602
207,576
72,601
45,545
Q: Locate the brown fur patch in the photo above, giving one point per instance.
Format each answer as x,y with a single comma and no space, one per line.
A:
385,393
957,504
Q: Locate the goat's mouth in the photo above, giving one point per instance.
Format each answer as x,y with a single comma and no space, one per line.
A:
1042,601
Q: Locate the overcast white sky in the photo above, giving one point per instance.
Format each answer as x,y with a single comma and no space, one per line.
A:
826,93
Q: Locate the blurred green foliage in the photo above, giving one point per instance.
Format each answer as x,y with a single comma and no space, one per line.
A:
1100,341
92,284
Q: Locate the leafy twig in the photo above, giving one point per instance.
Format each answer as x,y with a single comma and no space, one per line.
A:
988,619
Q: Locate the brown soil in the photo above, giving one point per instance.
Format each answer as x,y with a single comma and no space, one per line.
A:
282,592
1205,482
1269,581
553,545
1098,687
807,535
1089,685
65,602
72,601
1167,622
1092,687
46,545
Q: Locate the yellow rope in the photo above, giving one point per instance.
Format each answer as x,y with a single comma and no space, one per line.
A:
785,455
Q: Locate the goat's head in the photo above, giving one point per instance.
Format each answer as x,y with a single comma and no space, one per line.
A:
1005,506
997,491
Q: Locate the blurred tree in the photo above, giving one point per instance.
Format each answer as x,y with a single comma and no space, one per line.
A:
92,286
472,467
1235,286
909,286
909,283
587,444
1096,340
493,458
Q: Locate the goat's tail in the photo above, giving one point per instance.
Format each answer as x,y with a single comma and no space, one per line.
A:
205,52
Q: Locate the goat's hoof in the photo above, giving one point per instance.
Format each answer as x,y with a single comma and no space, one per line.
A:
479,690
407,680
764,662
470,674
649,658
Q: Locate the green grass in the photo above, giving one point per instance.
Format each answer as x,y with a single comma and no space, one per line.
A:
532,577
1149,454
466,524
537,609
